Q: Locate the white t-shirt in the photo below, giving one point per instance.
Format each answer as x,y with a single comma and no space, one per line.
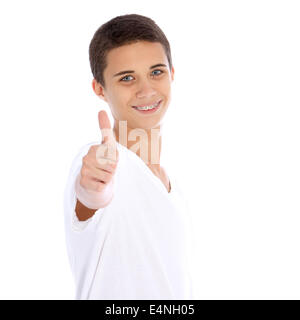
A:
137,247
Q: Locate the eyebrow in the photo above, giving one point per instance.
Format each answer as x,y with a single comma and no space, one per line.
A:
132,71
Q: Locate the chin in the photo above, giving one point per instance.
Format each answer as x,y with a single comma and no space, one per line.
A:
151,124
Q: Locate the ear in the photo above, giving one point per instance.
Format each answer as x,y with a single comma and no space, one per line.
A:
172,73
98,89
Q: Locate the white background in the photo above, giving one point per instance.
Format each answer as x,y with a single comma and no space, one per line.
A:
234,110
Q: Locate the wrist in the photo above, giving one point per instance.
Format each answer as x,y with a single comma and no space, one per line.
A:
94,199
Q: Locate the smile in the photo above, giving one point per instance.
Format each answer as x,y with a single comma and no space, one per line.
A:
148,109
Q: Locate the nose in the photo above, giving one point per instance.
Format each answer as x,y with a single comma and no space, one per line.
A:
145,90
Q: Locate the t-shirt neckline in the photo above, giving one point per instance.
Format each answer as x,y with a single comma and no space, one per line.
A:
149,170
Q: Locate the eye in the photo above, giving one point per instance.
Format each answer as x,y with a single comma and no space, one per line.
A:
161,72
124,78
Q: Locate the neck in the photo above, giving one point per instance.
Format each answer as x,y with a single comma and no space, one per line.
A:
144,143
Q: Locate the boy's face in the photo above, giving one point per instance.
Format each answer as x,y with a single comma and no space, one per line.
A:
144,86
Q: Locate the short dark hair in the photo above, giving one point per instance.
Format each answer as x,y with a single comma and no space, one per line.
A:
122,30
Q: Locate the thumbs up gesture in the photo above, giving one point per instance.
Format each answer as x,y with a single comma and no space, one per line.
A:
94,183
107,152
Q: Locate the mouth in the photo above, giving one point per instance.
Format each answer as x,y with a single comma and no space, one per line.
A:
150,109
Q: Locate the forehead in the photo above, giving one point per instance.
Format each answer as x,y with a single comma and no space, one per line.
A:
135,54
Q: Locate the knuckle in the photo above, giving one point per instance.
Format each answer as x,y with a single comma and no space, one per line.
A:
84,171
104,176
114,165
94,147
108,177
85,160
82,181
92,151
112,168
99,186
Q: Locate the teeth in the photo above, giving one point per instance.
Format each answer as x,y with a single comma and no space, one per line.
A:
148,107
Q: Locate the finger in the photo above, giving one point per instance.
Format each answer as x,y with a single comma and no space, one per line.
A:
108,165
93,184
99,174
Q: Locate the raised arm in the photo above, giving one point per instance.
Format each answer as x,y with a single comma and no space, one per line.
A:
94,183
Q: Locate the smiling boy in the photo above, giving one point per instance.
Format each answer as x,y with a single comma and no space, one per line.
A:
148,84
124,217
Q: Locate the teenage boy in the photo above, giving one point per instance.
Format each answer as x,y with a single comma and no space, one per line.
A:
125,217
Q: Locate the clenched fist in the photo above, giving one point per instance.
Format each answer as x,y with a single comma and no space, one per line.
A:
94,183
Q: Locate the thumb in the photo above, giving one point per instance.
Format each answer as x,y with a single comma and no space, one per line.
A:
105,127
107,148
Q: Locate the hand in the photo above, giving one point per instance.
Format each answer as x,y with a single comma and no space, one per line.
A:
94,183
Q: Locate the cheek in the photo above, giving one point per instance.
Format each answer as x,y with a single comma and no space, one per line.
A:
166,86
119,98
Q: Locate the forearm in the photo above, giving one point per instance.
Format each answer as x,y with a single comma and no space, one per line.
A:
83,213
